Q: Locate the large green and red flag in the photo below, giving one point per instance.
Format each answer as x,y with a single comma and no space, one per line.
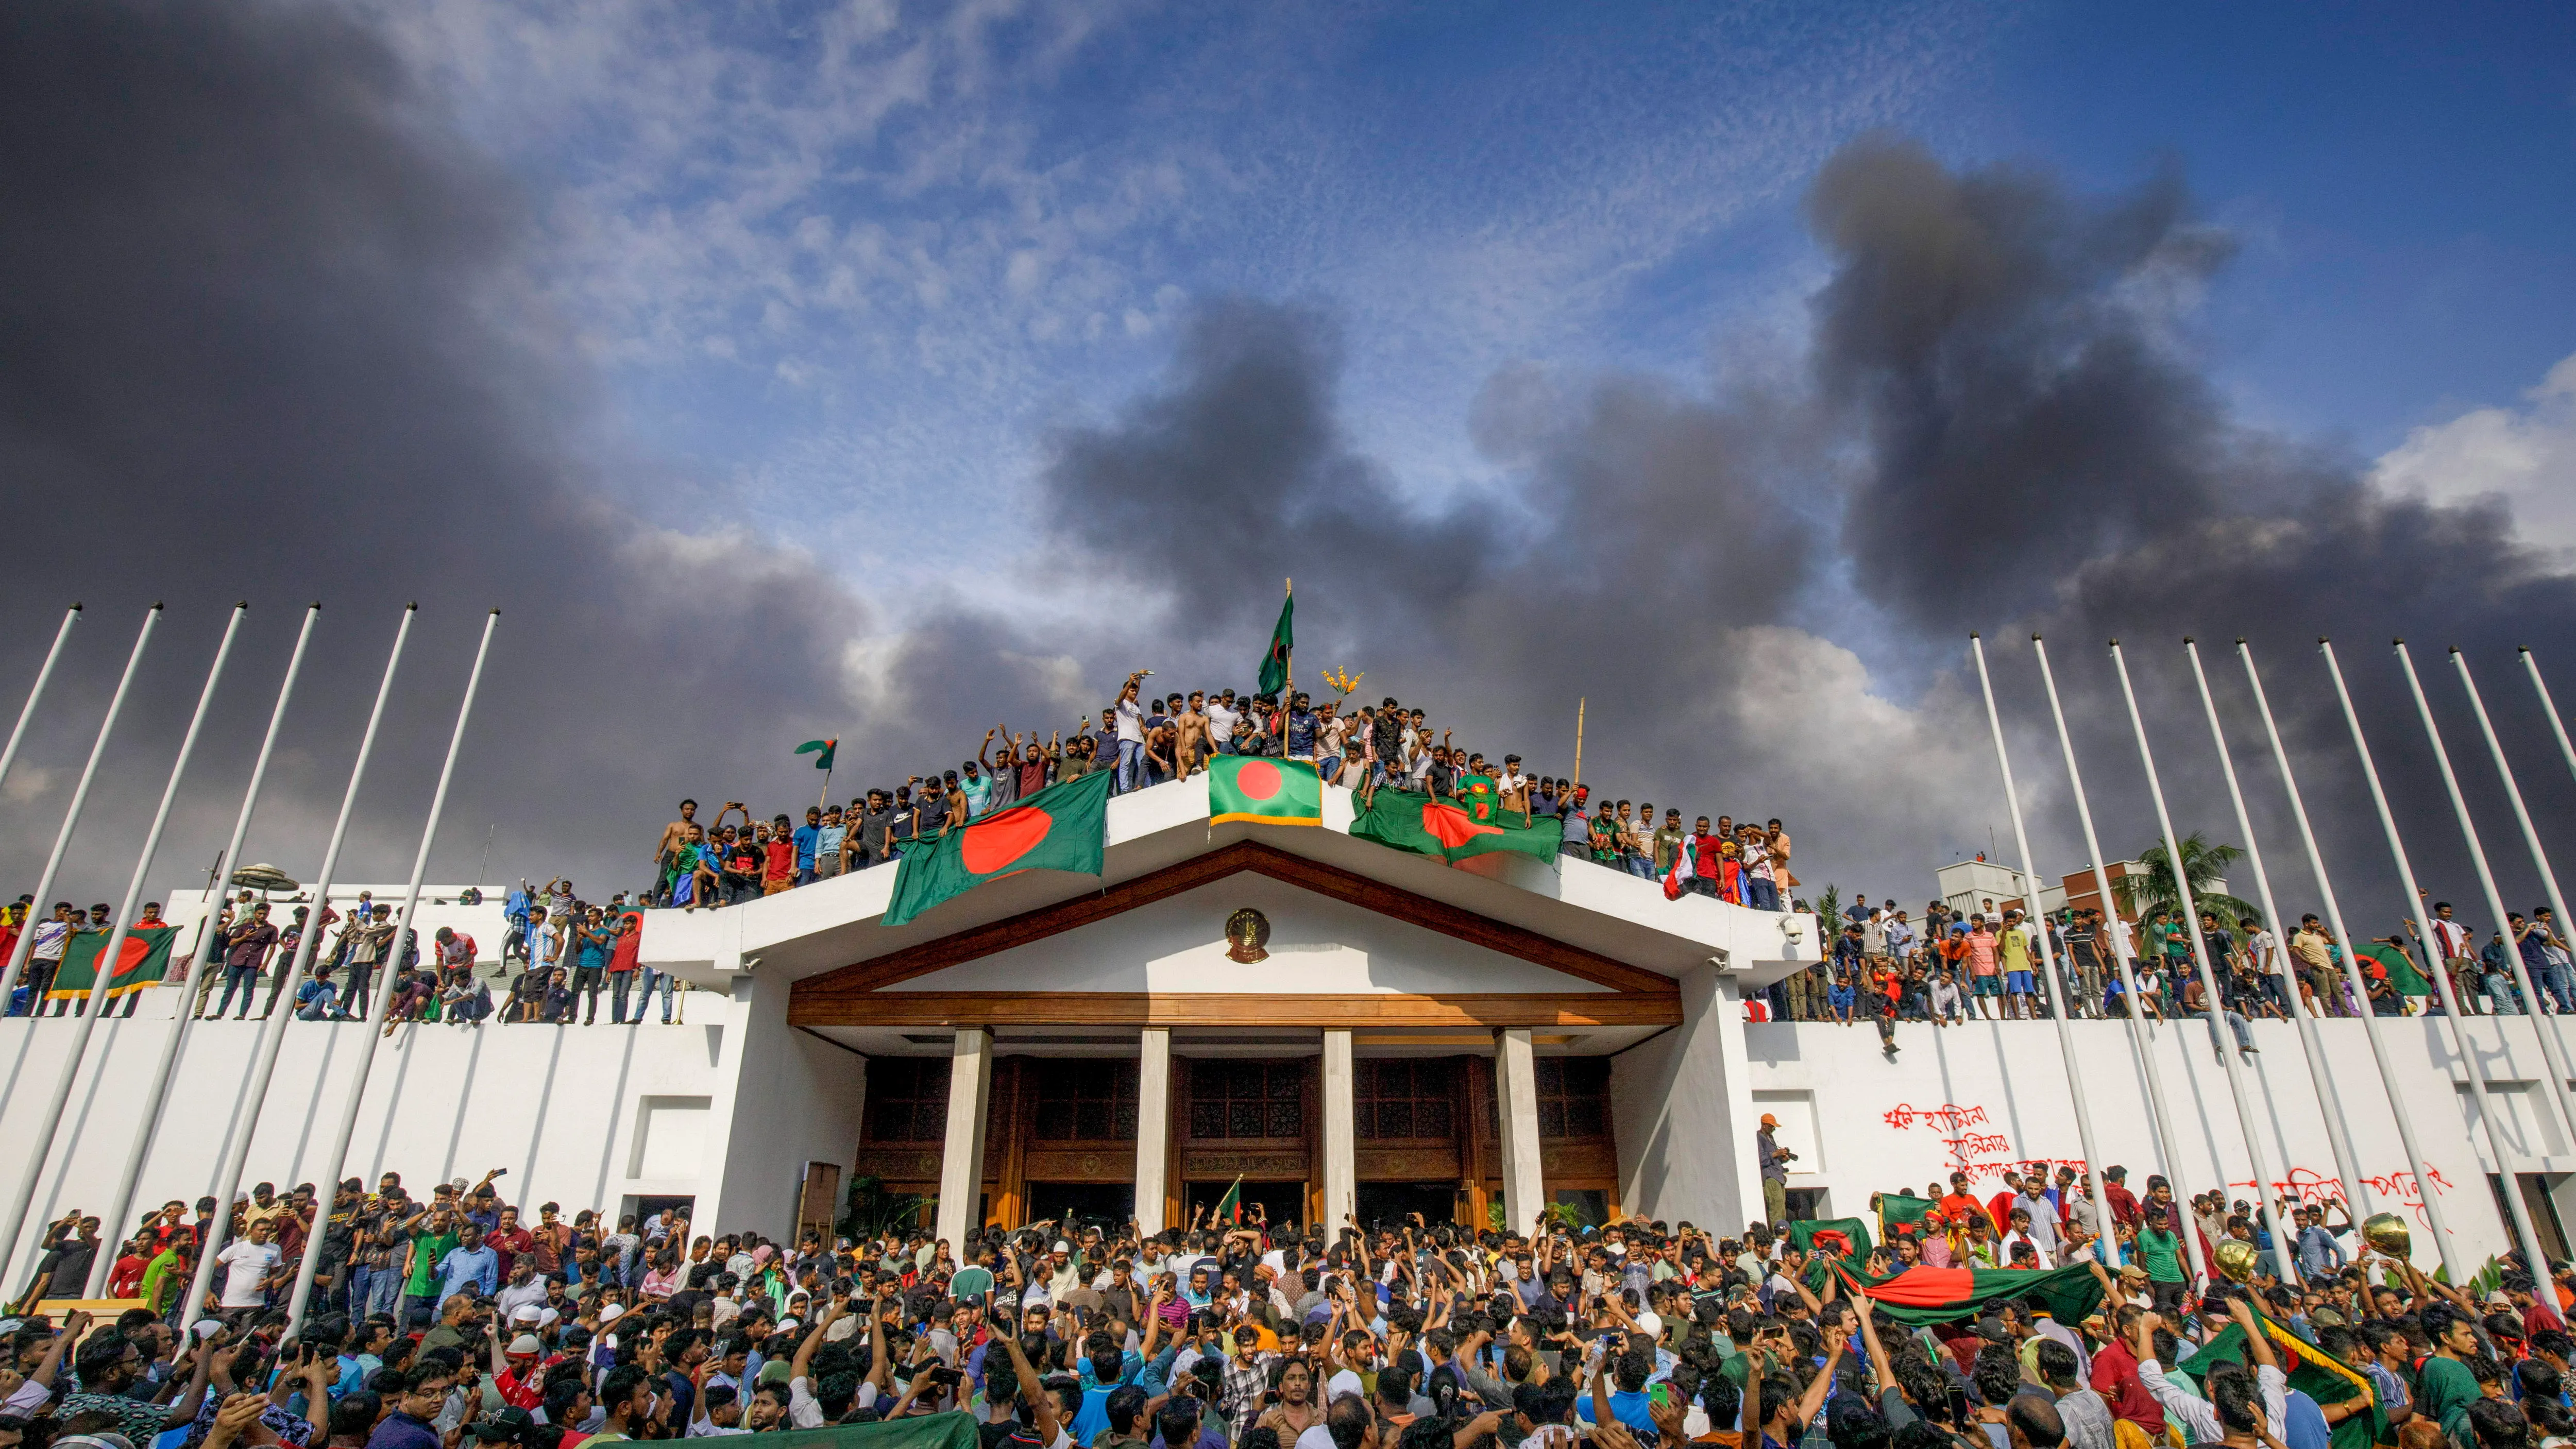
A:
1923,1295
1062,827
1425,826
140,962
1846,1237
822,750
1276,792
2401,971
2311,1370
1902,1214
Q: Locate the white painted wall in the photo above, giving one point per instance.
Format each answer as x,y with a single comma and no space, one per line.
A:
1839,1101
575,1113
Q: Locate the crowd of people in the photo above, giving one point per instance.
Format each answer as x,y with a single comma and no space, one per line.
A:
464,1316
1146,742
1955,965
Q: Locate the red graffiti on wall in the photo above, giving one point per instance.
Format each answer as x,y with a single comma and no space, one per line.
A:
2308,1186
1949,1115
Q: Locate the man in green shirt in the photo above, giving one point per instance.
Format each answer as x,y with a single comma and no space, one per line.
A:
162,1276
432,1234
2444,1386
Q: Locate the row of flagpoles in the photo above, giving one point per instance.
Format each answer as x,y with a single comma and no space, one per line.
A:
246,1112
2338,1129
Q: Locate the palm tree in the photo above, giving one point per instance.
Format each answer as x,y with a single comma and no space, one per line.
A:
2144,892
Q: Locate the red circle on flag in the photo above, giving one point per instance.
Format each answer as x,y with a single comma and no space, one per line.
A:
989,845
1257,779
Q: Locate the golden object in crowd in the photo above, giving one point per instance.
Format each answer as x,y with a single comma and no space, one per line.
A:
2237,1259
2388,1233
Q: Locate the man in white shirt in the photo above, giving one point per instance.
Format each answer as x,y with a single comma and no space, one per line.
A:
1130,719
247,1264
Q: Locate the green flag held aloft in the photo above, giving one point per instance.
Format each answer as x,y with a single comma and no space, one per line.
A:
1846,1237
1230,1206
1425,826
1062,827
1275,792
2401,971
140,962
1924,1294
821,750
1898,1210
1274,665
2310,1370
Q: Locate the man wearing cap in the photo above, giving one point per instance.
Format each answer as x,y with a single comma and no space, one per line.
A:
1774,1161
518,1371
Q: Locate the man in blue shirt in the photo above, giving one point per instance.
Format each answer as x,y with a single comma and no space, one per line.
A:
2320,1256
1577,838
809,838
468,1265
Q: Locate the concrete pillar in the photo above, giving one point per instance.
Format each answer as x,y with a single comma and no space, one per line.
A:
1516,1114
961,1165
1682,1105
1153,1127
1341,1158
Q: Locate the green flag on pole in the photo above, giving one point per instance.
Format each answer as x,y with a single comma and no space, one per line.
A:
1274,665
1062,827
1276,792
1230,1206
821,750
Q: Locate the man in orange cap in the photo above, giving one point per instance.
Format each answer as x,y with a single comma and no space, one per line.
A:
1774,1159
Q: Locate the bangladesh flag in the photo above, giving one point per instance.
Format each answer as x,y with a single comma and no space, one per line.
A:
1425,826
2310,1369
1280,792
1924,1295
1481,797
2401,974
1230,1206
821,750
140,962
1848,1237
1283,638
1061,827
1901,1215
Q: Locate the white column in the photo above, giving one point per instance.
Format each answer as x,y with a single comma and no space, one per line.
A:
961,1166
1341,1158
1153,1127
1516,1114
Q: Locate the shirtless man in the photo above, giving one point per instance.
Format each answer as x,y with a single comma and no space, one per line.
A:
674,835
1193,725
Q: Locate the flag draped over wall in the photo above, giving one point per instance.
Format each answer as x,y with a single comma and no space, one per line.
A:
1062,827
1275,792
1425,826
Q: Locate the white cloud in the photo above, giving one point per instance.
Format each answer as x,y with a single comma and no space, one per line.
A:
2523,456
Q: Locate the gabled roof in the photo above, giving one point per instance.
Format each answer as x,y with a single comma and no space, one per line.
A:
1599,914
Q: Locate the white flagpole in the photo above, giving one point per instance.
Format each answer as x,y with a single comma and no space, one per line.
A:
2557,726
2521,813
2415,1162
40,1130
2264,1183
36,691
71,822
2106,1246
2517,1214
2329,1105
2160,1118
310,1260
149,1121
2551,1049
273,1028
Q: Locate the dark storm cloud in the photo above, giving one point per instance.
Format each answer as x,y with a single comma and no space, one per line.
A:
267,339
2038,454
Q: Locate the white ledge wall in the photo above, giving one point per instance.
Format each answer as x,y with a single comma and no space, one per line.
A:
1833,1091
572,1112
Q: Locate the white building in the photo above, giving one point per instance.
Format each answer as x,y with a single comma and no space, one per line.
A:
1474,1040
1967,885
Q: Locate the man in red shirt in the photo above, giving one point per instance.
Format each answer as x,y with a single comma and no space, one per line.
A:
2124,1203
1958,1204
508,1240
778,853
2115,1366
1999,1207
